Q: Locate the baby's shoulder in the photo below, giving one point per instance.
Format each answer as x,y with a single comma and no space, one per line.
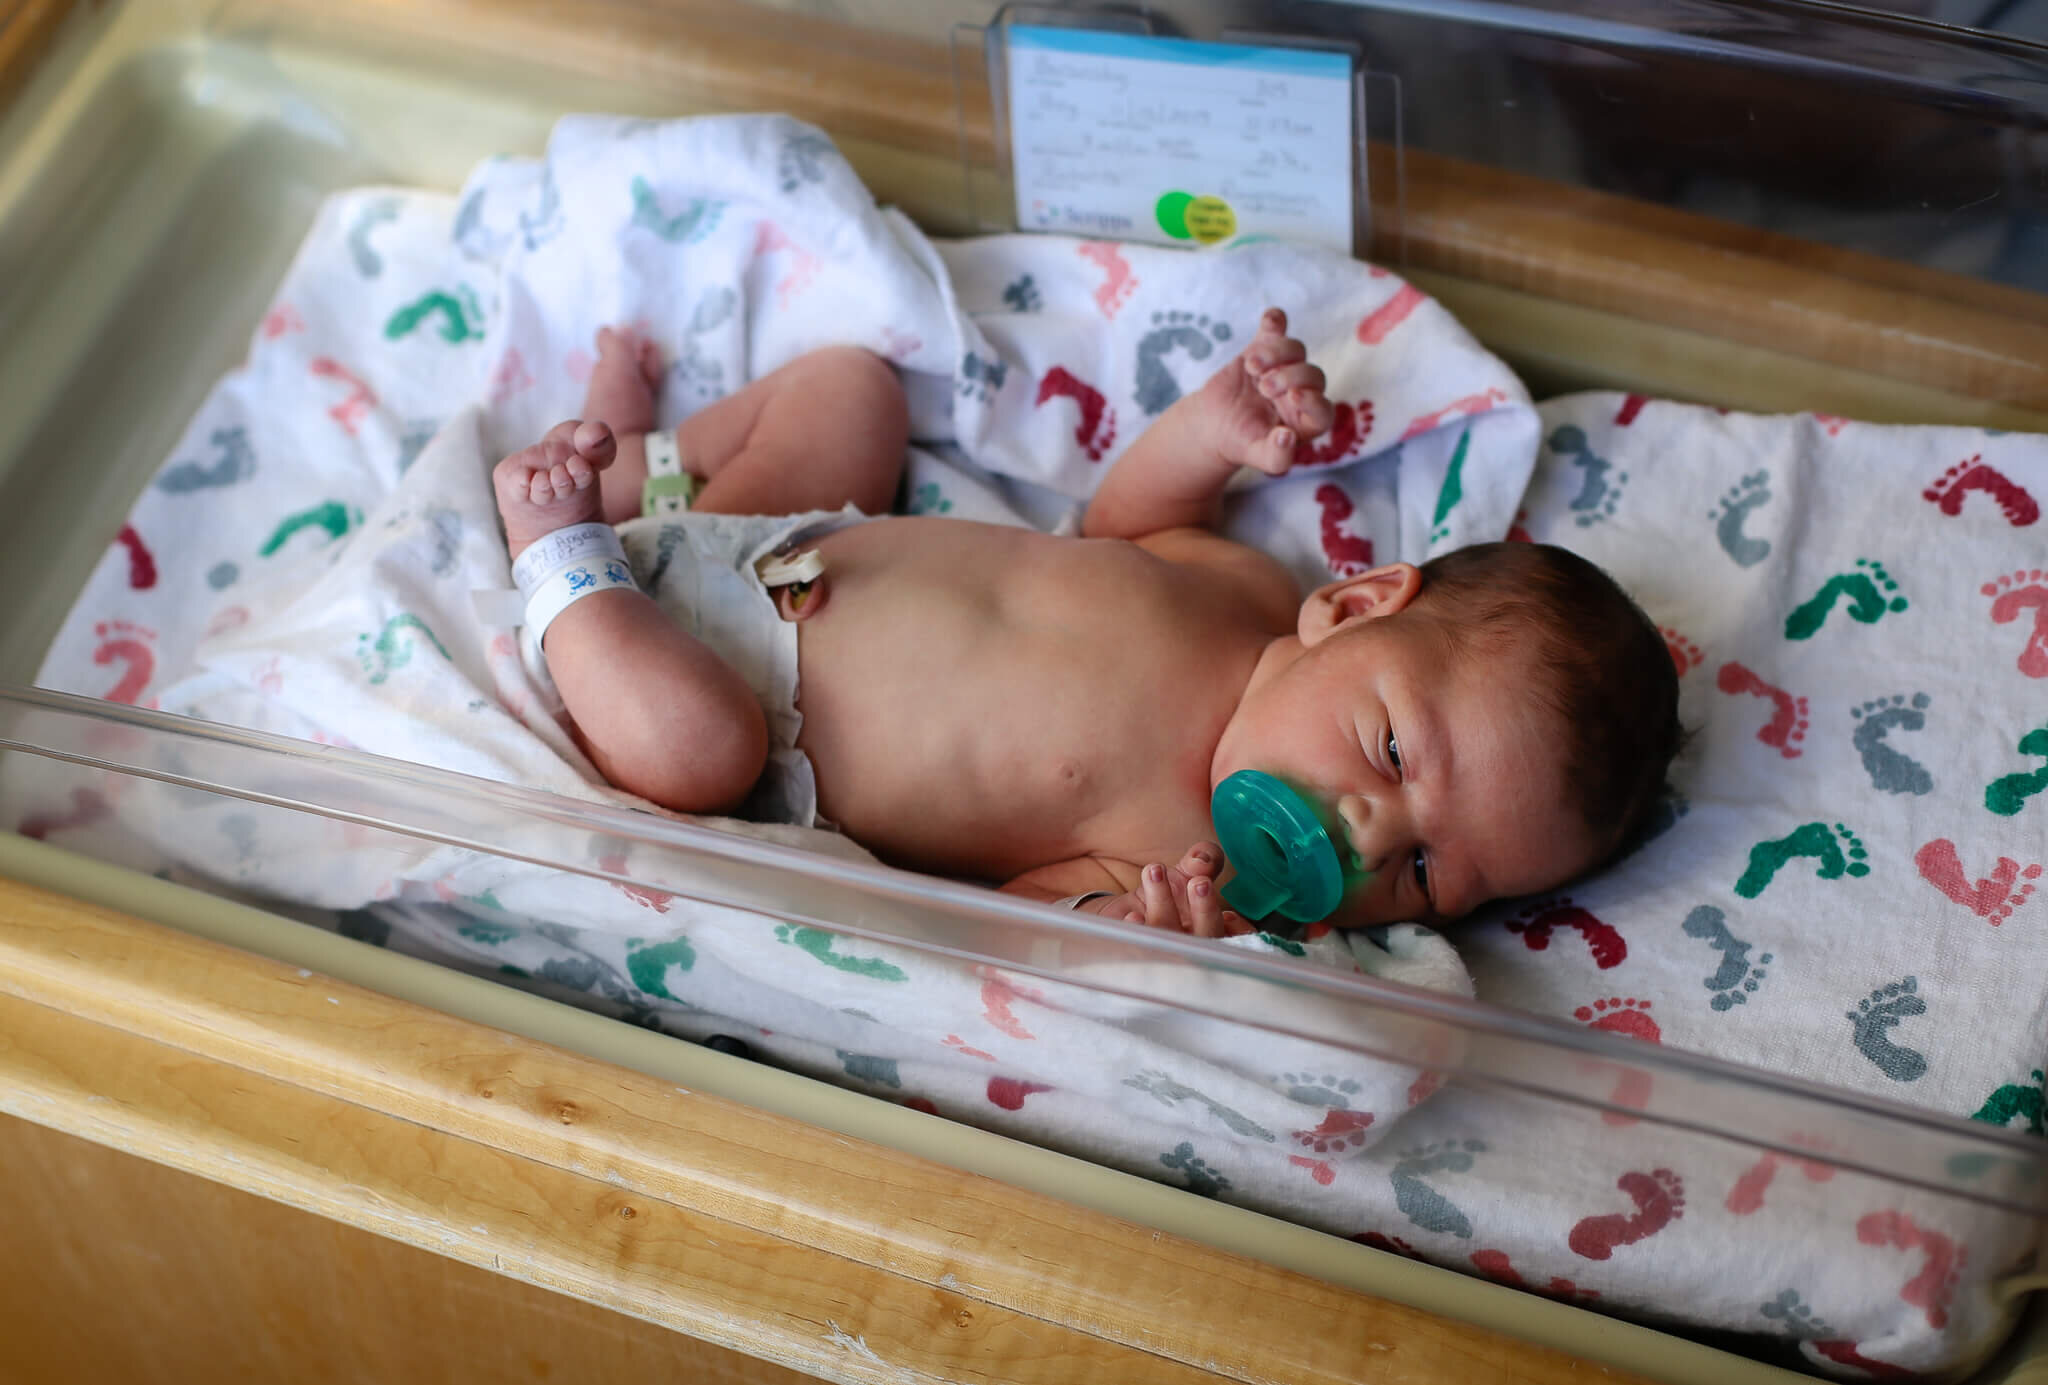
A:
1253,576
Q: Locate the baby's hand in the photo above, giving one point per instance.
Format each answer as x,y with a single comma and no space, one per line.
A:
1268,401
1182,897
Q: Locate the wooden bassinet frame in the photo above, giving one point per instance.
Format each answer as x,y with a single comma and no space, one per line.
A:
424,1176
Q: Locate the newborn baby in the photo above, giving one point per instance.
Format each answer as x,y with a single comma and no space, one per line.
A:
1052,714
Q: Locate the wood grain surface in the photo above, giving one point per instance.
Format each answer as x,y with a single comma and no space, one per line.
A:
754,1233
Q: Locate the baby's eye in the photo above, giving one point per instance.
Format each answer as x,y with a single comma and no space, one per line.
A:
1393,752
1422,872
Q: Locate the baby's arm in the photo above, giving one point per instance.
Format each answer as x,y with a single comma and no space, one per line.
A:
1252,413
1182,898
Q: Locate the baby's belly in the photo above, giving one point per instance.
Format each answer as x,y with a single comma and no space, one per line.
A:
966,715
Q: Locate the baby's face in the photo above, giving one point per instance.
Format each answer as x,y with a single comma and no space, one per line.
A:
1435,770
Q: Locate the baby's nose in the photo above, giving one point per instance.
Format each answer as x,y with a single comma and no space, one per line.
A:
1365,829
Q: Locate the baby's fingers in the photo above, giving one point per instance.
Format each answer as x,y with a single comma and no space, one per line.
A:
1202,859
1162,910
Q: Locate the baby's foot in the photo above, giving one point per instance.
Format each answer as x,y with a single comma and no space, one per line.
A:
553,484
624,382
1267,401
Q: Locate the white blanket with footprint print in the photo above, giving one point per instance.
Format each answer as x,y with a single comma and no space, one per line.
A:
311,544
304,564
1846,884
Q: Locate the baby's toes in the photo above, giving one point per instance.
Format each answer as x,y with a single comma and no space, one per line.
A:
650,364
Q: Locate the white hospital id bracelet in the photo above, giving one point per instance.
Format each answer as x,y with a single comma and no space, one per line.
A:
577,543
564,587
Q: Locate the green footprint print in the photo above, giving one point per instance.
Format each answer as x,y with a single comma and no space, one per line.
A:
1453,489
333,516
2015,1099
391,651
695,221
2009,793
461,318
928,499
1839,851
1871,592
648,966
818,943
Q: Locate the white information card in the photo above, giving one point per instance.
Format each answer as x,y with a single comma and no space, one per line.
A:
1131,137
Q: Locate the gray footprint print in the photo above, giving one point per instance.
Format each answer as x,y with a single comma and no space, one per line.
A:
1189,332
1889,769
1876,1015
1748,495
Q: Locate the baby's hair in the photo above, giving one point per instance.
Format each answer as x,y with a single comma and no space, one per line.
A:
1601,667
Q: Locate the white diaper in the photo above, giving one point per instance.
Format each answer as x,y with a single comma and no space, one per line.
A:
700,569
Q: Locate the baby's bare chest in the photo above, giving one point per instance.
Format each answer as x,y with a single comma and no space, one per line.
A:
987,702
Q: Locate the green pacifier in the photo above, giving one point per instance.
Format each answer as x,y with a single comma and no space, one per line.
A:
1285,860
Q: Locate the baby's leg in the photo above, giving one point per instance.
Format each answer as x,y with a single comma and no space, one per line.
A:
828,428
658,712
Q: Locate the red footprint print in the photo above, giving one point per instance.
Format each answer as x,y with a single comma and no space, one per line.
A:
644,896
128,645
1009,1093
1832,423
510,377
1393,1245
226,619
1349,424
803,269
1685,655
960,1045
1339,1131
282,319
1845,1353
1097,428
87,808
361,398
1630,407
1659,1196
1748,1193
1538,921
1347,553
1932,1288
1787,726
1470,404
1321,1172
1495,1265
141,562
1991,898
1628,1016
996,995
1374,327
1949,489
1116,289
2011,599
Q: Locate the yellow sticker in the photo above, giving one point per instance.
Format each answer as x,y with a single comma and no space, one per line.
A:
1209,220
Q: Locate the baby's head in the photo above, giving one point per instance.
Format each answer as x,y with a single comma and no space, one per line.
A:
1491,724
1599,666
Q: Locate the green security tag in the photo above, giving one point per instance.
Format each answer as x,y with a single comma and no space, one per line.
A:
668,495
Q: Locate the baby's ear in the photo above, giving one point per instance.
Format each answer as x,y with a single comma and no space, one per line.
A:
1368,596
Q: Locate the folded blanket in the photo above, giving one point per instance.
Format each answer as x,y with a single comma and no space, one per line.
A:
314,542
